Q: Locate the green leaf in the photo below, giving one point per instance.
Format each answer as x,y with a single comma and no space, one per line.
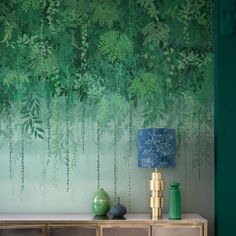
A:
105,12
40,136
40,129
112,108
156,33
146,86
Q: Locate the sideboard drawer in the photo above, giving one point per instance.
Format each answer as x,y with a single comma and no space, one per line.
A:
185,230
73,231
21,231
126,231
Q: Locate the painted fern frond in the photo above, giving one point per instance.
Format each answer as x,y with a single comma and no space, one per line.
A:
26,5
45,67
115,46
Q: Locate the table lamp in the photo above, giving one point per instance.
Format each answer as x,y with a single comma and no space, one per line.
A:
156,149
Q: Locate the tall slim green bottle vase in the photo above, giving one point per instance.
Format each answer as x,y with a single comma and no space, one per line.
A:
174,212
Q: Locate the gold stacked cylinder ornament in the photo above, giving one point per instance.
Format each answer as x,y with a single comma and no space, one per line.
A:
156,198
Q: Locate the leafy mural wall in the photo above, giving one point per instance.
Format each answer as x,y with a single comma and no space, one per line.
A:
79,77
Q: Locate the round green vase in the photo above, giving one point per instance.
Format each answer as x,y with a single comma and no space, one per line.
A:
101,203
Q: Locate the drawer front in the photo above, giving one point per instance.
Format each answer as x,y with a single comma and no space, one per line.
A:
72,231
21,231
123,231
177,231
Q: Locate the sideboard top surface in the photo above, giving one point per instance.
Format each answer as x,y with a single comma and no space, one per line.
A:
89,218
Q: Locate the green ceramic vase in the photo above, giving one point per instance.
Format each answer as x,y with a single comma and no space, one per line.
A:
101,203
174,202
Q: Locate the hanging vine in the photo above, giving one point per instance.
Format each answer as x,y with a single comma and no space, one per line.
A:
57,142
52,11
131,36
67,146
83,68
210,25
179,128
84,47
130,156
98,156
185,158
74,147
49,129
186,19
22,160
10,148
22,142
115,167
30,113
83,127
197,161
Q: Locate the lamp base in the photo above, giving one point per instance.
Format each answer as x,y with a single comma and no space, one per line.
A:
156,198
156,213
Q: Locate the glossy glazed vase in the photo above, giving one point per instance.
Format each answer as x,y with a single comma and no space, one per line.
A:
101,203
118,210
174,212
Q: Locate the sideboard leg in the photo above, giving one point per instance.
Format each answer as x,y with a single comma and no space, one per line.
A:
205,229
99,230
46,231
150,230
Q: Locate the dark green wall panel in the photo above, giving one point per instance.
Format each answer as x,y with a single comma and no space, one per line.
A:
225,130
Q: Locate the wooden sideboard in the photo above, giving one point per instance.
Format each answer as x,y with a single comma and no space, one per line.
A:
87,225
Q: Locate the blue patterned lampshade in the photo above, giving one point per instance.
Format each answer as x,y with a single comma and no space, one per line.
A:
156,147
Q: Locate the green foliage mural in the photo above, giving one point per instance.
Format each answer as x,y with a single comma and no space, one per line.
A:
79,73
